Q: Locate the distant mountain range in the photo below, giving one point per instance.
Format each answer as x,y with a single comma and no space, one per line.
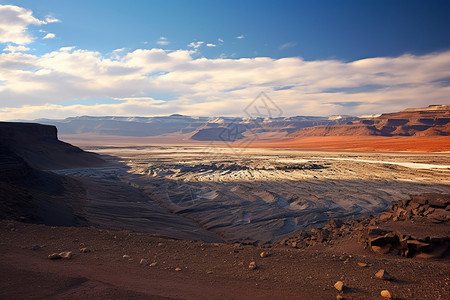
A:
433,120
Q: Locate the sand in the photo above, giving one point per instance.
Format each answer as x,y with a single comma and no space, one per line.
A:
252,195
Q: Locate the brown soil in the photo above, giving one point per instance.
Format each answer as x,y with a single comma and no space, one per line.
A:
208,271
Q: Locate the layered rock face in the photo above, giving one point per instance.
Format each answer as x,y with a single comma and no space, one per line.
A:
430,121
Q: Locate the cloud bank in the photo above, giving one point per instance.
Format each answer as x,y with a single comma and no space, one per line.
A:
145,82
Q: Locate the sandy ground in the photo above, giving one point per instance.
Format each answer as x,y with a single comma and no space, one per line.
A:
252,195
207,271
324,143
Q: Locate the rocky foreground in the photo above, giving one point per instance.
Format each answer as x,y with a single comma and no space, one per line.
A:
338,261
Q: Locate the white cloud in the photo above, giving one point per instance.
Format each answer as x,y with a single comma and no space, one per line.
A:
287,45
33,86
211,45
13,49
49,36
51,19
163,41
240,37
195,45
220,40
14,21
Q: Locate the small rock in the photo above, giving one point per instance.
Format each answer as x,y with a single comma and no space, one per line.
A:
339,297
153,264
160,244
339,286
386,294
264,254
54,256
66,254
252,266
143,262
381,250
36,247
177,269
382,274
85,250
362,265
126,256
210,272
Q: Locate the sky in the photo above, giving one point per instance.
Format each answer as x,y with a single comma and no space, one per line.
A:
61,59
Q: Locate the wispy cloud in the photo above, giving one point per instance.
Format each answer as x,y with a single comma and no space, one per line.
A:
163,41
240,37
51,19
211,45
287,45
220,40
196,45
49,36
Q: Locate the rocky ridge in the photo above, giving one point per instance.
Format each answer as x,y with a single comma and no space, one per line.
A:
415,227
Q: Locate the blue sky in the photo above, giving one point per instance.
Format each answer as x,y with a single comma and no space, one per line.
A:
347,30
224,39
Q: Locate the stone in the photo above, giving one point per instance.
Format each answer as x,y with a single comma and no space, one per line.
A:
153,264
439,200
323,235
54,256
85,250
252,266
335,223
177,269
362,265
385,216
339,297
160,244
386,239
66,254
419,199
144,262
264,254
386,294
210,272
126,256
400,212
339,286
382,274
36,247
381,250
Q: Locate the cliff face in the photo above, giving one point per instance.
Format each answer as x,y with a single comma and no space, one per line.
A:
429,121
39,146
27,193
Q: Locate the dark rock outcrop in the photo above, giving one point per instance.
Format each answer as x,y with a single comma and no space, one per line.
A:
39,146
27,192
415,227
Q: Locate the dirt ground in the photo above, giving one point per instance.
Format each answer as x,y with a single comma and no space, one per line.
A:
207,271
